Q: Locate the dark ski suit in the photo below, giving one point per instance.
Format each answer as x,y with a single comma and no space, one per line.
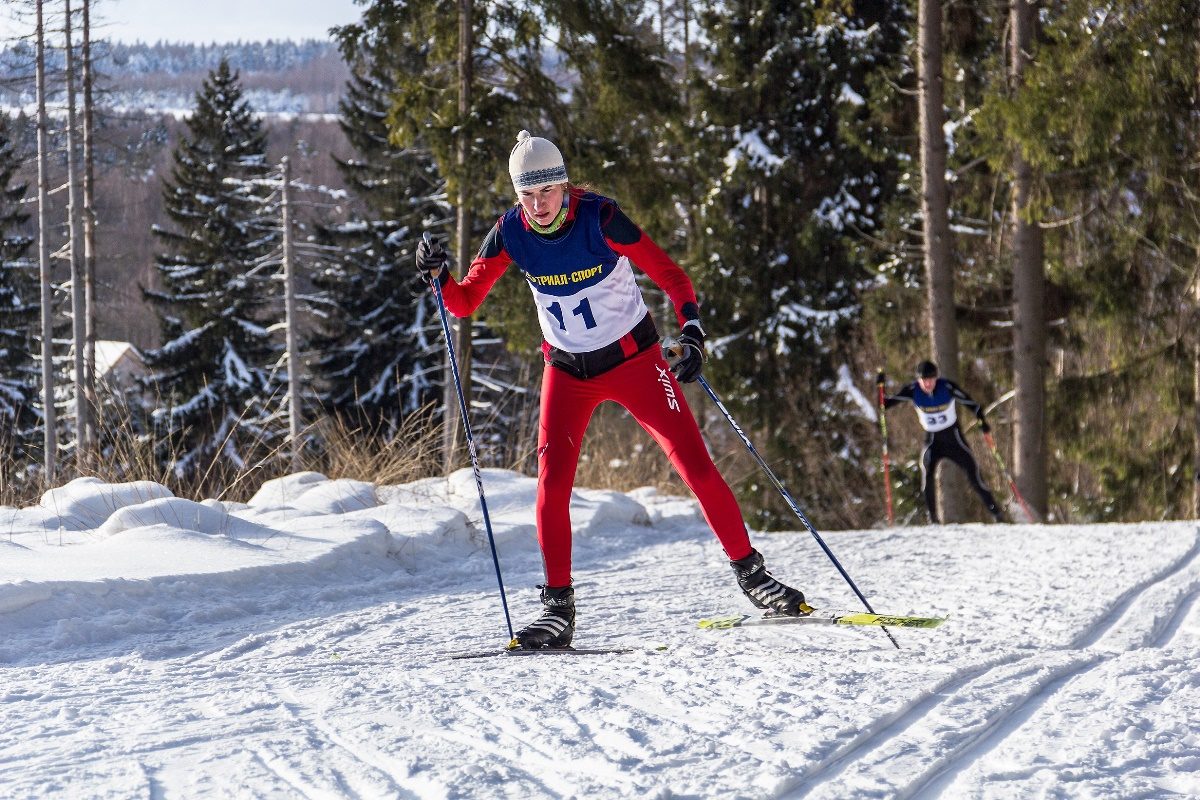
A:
943,438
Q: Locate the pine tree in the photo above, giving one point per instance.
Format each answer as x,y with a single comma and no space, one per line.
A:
1121,190
371,358
19,312
780,262
213,370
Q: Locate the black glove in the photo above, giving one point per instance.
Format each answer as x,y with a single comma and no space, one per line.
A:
431,258
691,340
881,378
983,426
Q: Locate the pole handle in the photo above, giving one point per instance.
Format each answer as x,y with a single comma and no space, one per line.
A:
672,350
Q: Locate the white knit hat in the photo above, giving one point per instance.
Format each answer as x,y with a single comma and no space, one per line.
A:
535,162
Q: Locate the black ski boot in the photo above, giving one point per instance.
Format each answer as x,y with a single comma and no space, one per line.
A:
556,626
766,592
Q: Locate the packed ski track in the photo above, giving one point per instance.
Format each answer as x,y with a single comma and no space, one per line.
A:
301,647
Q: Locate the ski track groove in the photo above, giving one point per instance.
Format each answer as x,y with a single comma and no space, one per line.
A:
276,765
1096,631
1175,623
316,724
943,768
539,771
889,728
527,740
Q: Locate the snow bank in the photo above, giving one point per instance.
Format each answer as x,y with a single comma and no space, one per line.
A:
92,550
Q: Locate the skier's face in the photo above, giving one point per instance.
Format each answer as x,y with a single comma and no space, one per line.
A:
542,204
927,384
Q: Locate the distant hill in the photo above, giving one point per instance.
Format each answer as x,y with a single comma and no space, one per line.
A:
144,91
282,76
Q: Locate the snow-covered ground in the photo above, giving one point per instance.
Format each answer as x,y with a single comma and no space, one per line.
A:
299,647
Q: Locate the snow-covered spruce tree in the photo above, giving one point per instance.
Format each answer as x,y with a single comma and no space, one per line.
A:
19,312
213,371
371,357
778,261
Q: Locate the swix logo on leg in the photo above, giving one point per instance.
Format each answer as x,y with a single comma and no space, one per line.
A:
665,379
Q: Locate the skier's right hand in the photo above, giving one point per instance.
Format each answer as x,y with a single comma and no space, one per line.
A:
881,379
431,258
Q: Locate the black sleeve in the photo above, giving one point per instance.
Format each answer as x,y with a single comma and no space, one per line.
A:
905,395
617,227
493,244
961,396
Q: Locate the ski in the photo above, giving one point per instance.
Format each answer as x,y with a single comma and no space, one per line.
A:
744,620
569,651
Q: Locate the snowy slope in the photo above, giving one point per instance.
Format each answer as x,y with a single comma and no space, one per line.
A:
297,647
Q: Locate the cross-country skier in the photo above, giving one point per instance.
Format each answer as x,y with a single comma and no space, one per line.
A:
576,249
934,399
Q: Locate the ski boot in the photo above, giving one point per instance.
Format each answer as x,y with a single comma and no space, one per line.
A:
556,626
766,592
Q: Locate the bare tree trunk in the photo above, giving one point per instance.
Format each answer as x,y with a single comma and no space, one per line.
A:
939,265
1196,400
89,231
1029,311
687,54
662,26
462,237
83,449
1196,293
49,415
289,310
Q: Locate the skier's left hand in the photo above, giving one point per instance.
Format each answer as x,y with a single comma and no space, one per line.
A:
983,426
691,339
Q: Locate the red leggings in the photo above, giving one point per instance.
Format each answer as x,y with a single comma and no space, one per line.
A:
645,386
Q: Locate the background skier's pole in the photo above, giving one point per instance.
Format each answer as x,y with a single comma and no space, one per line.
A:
1012,485
462,406
786,496
887,461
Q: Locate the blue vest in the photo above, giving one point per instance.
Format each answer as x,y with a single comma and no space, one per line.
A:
586,293
935,411
564,265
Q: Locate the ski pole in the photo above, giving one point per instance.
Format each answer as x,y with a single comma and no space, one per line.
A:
887,462
1012,485
462,407
786,496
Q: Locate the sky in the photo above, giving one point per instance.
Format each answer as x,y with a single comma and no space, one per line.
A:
206,21
300,645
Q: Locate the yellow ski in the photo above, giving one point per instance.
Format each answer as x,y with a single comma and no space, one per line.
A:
744,620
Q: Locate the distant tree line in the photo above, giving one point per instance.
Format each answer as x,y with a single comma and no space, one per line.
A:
1007,187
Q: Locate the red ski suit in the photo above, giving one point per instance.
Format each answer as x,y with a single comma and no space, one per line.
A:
640,380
